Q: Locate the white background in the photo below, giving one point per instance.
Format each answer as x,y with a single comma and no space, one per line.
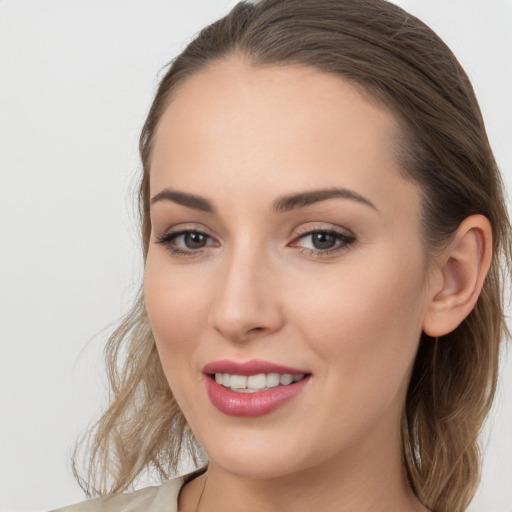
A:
76,80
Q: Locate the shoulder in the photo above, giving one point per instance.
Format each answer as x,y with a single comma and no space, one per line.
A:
161,498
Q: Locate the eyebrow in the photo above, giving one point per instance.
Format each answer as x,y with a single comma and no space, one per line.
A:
189,200
302,199
280,205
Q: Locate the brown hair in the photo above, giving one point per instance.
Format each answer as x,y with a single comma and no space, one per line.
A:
399,61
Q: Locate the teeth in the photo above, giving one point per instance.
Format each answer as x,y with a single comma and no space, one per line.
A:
254,383
286,379
272,380
239,382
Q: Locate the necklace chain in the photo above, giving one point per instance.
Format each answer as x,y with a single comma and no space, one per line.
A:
202,492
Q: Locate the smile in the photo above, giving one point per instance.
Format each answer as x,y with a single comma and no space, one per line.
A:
255,383
251,402
252,388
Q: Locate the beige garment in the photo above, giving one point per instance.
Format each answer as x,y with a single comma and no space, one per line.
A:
161,498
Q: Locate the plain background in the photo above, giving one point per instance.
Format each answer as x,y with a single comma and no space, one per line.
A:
76,80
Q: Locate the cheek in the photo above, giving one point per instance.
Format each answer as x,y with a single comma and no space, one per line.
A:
365,324
176,314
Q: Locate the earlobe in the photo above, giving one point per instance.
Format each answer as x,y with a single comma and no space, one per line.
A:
460,273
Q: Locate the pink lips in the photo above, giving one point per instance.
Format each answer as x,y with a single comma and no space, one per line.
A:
250,404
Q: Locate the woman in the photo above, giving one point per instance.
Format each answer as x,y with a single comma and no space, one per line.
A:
324,231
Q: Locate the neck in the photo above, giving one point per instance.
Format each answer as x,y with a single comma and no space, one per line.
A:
371,480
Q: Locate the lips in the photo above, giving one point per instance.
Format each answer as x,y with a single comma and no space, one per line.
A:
247,368
252,388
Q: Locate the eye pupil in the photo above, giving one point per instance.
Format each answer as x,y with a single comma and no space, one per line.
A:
322,240
195,240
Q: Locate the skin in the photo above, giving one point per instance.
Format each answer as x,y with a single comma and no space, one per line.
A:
241,137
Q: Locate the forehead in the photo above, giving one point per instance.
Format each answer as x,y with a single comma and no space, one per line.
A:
282,127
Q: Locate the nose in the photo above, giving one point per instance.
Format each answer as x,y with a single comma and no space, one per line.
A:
245,302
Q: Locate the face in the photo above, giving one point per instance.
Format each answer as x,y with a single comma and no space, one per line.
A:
285,245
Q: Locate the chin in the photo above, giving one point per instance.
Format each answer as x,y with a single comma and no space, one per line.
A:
257,465
259,454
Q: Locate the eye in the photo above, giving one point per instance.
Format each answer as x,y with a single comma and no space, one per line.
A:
323,241
193,240
186,242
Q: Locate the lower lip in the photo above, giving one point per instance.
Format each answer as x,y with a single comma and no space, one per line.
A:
252,404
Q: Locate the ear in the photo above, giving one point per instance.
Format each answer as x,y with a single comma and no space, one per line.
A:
458,276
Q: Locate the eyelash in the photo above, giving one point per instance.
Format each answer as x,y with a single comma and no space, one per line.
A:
344,241
168,239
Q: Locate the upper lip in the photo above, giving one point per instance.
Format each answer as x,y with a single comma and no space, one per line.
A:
252,367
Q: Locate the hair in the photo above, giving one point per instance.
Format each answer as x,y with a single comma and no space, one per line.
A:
401,63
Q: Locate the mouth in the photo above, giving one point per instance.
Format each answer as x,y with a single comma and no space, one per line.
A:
252,388
255,383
